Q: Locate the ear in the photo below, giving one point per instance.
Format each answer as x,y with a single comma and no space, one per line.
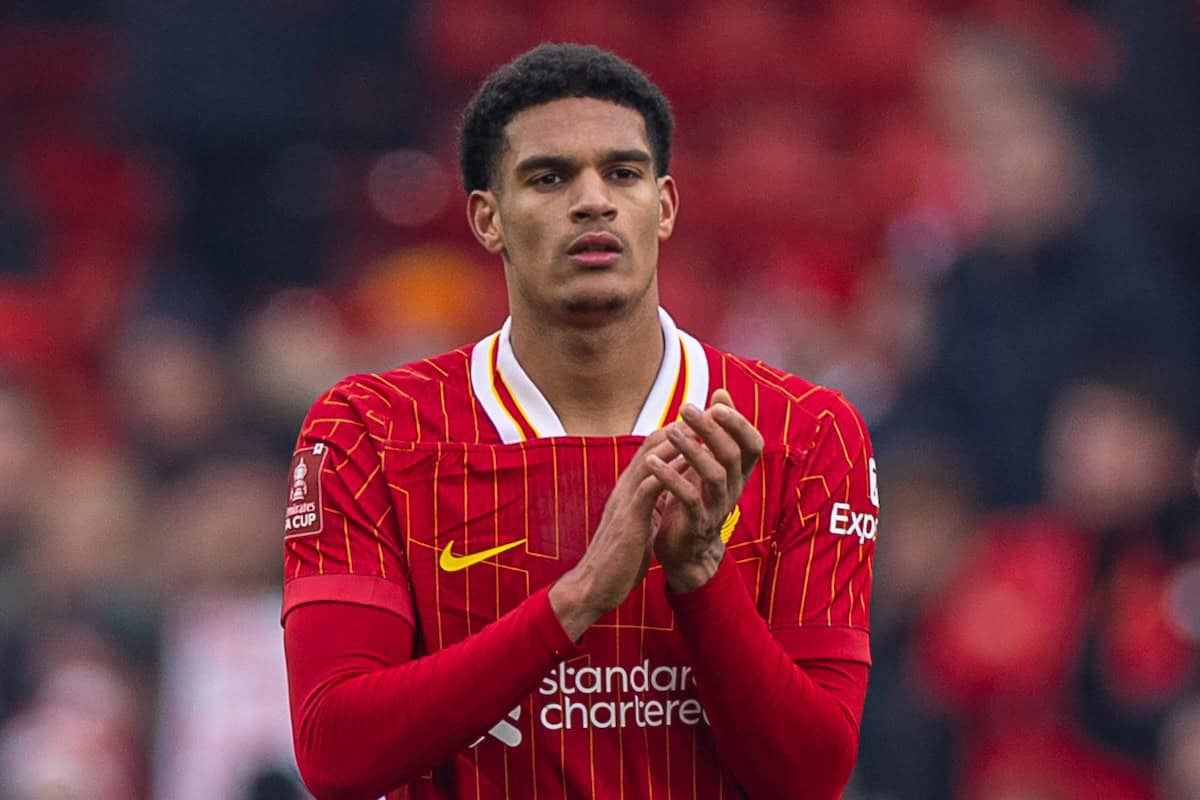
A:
483,215
668,206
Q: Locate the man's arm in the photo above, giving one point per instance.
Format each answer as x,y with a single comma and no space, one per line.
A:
783,728
367,717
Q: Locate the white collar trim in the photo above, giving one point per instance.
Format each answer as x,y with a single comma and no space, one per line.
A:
529,405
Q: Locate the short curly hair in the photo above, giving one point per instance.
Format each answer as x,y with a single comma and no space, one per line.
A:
552,72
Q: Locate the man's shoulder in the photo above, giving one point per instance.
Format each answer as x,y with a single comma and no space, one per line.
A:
415,381
412,402
787,409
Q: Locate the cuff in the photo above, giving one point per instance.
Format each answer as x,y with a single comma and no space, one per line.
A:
714,594
549,629
820,642
363,590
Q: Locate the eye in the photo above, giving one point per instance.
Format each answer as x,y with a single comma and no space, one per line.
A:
547,179
625,174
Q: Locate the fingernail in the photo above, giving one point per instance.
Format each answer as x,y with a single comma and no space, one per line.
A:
720,412
690,411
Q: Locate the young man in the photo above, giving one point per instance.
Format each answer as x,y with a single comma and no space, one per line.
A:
587,556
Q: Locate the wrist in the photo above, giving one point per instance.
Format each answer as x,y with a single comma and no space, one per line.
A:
571,603
694,573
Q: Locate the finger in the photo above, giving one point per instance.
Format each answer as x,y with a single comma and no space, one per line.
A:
667,450
648,491
747,438
721,397
712,473
679,487
680,463
716,438
657,444
652,441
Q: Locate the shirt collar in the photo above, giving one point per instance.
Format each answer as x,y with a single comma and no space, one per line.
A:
519,411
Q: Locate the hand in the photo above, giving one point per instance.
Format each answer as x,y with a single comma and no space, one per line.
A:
718,449
618,556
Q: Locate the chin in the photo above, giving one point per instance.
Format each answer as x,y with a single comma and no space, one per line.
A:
595,304
602,302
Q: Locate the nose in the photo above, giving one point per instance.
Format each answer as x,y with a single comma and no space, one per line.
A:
592,199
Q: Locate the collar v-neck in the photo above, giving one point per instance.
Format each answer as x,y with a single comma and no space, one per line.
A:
520,412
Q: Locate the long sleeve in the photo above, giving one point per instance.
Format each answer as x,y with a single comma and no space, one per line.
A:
784,729
367,719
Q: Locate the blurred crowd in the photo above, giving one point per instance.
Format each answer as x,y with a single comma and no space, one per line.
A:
979,219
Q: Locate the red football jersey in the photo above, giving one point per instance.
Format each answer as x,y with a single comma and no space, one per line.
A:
447,492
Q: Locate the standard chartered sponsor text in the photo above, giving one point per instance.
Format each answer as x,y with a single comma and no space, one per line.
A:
612,697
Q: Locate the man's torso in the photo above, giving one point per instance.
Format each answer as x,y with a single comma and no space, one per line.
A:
473,512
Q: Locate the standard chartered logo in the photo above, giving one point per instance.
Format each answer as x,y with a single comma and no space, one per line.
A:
590,697
581,698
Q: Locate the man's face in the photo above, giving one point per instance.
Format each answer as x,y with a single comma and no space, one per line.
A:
576,211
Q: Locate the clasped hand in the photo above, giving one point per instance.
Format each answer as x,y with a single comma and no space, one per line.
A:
669,503
716,452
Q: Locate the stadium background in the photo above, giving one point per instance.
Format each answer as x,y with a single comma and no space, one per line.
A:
978,218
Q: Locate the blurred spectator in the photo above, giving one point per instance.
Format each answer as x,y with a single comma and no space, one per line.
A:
224,723
86,540
1179,767
208,527
1060,279
1147,117
224,718
1056,645
930,511
23,438
251,96
287,353
1120,469
173,395
80,736
19,237
23,452
1179,746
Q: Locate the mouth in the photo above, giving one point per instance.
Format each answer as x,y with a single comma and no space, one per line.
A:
595,250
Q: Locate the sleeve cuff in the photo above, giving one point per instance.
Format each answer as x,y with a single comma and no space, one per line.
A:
548,628
363,590
821,642
711,595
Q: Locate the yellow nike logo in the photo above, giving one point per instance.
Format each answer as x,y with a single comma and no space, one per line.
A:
452,563
730,523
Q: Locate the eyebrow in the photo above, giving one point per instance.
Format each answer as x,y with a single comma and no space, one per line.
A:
563,163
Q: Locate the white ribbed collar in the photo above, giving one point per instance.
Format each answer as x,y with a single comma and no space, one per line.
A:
520,412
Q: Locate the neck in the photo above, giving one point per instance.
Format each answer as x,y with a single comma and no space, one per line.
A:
596,379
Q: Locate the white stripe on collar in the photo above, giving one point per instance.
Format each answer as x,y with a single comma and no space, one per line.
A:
679,348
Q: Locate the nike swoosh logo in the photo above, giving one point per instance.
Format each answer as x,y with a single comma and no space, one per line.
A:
452,563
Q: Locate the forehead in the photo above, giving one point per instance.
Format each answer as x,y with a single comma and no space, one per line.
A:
575,126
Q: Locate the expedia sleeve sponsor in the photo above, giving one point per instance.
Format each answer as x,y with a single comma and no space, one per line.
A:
845,521
820,595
